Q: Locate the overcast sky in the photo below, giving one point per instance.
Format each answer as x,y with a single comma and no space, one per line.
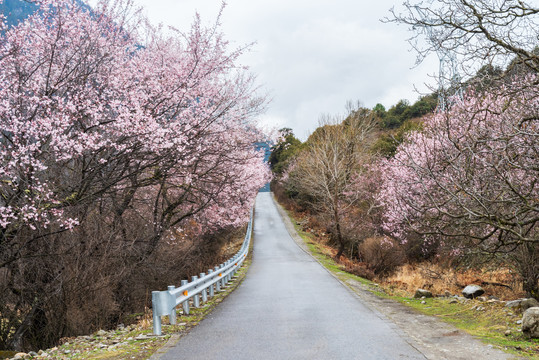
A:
312,56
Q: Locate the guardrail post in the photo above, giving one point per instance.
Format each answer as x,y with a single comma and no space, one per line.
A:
222,277
156,317
172,315
218,283
196,300
212,293
204,291
185,304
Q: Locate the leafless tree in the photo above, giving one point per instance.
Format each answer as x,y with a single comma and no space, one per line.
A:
325,170
476,32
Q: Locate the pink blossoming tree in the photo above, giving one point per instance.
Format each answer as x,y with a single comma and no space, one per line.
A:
469,180
104,116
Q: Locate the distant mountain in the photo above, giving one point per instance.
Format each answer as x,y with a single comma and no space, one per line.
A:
16,10
267,152
266,147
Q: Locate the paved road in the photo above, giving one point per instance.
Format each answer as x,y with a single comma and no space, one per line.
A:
290,307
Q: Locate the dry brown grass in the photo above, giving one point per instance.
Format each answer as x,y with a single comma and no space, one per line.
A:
147,320
439,278
442,278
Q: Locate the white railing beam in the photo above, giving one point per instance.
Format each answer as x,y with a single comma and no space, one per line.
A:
205,284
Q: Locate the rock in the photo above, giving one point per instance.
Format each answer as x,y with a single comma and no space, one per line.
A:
521,305
453,301
507,332
482,298
472,291
101,333
513,303
20,355
525,304
447,293
33,354
519,322
419,293
530,322
423,302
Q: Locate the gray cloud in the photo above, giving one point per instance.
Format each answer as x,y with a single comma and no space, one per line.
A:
313,55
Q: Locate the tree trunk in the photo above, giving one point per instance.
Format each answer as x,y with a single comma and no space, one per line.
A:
531,287
529,269
341,250
16,342
337,220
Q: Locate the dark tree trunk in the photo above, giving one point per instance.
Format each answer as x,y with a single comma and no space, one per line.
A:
16,342
529,269
341,250
337,220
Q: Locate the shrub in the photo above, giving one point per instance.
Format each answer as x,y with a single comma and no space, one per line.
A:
382,255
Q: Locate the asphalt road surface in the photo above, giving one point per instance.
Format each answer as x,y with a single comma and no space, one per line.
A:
290,307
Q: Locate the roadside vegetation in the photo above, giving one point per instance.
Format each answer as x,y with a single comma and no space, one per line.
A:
133,338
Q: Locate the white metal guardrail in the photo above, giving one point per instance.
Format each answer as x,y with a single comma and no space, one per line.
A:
164,302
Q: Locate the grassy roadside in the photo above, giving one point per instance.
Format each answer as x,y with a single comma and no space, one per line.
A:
489,321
